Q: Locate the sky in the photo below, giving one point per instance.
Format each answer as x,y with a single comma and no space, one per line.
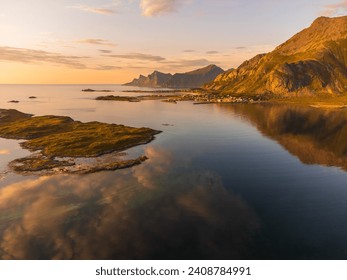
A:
113,41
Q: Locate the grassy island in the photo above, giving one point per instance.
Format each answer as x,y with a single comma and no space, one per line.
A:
61,137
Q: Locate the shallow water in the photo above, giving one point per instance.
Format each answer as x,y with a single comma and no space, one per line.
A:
222,181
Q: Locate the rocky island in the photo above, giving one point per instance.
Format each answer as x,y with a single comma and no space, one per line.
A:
58,143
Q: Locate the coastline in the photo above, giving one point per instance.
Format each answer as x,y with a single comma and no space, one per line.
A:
203,97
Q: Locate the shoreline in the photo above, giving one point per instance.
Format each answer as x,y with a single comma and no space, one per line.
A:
201,96
211,98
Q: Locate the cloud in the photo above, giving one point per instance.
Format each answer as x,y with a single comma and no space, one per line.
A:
336,9
182,63
212,52
152,8
138,56
105,51
251,49
38,56
94,10
107,67
136,67
189,51
95,41
159,163
149,211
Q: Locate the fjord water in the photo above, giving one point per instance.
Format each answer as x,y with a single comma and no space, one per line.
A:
223,181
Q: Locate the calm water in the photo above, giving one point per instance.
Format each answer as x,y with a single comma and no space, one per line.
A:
222,182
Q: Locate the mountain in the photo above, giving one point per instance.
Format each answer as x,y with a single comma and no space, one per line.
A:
311,62
156,79
193,79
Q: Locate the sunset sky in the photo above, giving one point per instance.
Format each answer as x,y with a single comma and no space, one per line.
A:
105,41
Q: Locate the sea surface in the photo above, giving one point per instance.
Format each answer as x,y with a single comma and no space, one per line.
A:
223,181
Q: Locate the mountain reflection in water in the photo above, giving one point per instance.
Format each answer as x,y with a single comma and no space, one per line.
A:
315,136
141,213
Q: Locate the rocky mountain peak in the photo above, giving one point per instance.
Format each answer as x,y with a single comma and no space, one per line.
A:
312,61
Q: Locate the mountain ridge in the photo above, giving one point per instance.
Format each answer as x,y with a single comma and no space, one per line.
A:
191,79
311,62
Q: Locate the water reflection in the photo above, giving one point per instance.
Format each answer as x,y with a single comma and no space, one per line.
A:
315,136
153,211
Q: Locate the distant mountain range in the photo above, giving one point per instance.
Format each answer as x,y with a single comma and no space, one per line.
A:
193,79
311,62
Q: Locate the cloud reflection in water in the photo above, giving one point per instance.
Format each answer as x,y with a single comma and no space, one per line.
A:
147,212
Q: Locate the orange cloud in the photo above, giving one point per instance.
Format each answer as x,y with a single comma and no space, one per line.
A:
160,7
94,41
336,9
94,10
37,56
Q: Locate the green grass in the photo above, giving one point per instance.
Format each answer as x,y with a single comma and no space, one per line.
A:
63,137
